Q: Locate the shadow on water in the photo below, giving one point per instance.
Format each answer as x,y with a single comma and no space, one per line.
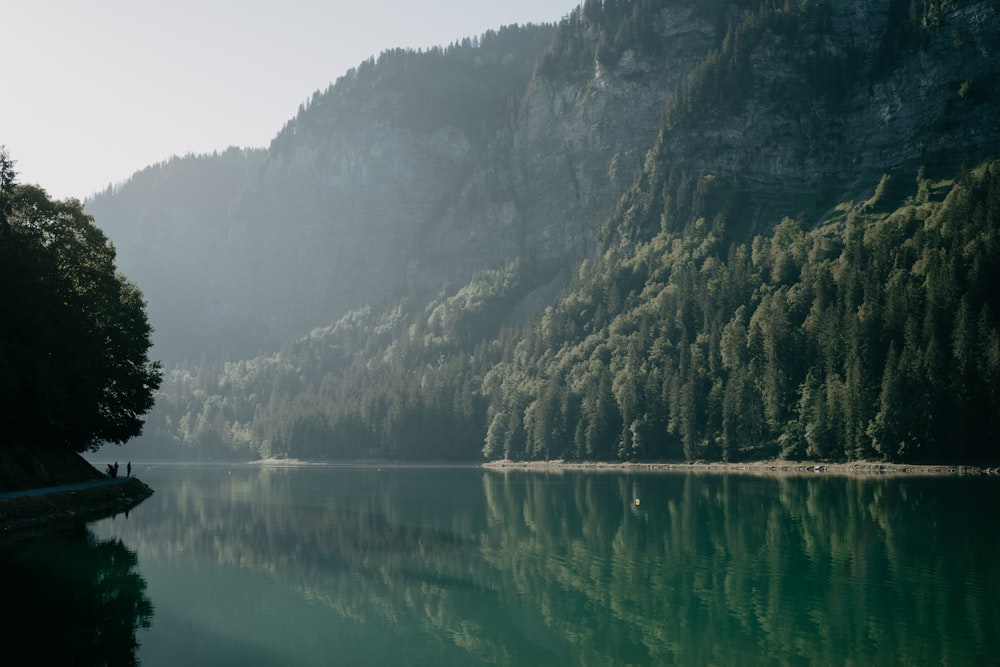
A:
72,598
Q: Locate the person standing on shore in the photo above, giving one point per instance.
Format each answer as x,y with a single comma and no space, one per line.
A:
128,469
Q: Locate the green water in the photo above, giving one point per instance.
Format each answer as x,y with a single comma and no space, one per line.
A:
397,566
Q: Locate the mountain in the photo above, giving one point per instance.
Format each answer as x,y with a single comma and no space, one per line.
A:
804,104
334,214
610,238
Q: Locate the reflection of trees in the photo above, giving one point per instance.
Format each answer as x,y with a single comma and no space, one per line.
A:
388,550
72,599
532,568
736,570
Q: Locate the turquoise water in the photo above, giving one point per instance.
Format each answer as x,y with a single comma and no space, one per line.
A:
421,566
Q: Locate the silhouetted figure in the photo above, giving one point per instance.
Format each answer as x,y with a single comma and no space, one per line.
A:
111,470
115,473
128,469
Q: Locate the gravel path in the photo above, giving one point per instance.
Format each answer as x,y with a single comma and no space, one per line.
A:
25,493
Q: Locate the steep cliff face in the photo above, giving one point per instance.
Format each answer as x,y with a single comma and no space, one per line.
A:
418,170
825,98
381,205
332,214
327,230
574,146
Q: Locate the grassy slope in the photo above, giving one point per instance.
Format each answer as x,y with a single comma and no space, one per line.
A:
27,467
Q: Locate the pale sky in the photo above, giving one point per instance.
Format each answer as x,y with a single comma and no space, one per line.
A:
94,90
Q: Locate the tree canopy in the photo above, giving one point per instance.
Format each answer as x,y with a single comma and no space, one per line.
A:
74,366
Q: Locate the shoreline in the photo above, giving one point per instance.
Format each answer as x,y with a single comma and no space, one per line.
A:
24,513
767,467
772,467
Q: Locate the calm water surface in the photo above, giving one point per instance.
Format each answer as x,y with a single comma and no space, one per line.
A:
416,566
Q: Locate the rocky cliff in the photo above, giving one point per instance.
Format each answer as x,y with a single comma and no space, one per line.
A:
416,170
820,102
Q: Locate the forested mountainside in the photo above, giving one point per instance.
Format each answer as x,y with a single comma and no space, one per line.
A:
722,230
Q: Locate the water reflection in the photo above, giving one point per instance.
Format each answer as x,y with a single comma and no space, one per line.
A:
407,566
72,599
738,570
345,566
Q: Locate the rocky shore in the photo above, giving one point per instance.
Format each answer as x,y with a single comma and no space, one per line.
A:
41,487
61,507
773,467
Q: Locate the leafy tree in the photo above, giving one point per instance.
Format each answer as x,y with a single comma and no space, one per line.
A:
73,348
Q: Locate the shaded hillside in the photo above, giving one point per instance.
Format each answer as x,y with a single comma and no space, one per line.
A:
704,230
330,216
412,171
172,226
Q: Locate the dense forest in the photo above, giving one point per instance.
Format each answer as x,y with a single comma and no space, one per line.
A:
731,307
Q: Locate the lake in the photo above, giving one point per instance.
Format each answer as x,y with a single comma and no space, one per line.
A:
323,565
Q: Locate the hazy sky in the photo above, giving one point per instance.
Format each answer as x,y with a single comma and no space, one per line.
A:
93,91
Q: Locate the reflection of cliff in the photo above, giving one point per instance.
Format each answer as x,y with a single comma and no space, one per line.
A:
72,599
731,570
